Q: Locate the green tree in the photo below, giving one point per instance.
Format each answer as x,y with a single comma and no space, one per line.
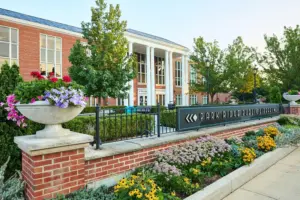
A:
275,95
238,64
109,68
281,61
9,79
207,61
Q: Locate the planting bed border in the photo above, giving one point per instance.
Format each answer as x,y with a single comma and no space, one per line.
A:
228,184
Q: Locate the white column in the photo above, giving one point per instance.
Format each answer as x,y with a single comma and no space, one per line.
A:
183,80
149,97
167,79
171,92
187,80
131,91
153,94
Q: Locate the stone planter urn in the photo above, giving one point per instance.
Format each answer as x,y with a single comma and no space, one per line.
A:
291,98
52,116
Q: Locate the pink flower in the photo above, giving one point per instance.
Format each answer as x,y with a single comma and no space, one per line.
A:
1,104
32,100
40,97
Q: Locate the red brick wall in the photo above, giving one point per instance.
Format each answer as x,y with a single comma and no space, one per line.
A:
108,166
50,174
29,48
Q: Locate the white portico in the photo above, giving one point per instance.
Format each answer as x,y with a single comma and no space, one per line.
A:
162,70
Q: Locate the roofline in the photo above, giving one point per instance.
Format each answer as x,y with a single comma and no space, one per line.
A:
77,34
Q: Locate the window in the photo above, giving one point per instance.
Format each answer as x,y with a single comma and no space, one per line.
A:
50,55
178,100
204,100
193,99
203,80
178,74
159,70
9,45
142,69
193,75
160,98
87,50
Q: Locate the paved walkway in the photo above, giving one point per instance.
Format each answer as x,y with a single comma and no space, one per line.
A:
279,182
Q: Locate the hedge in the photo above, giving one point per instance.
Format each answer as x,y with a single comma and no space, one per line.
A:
168,118
113,127
92,109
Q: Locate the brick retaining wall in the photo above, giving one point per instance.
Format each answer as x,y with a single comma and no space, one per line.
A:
101,168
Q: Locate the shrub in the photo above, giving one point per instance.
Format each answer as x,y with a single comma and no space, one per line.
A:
266,143
194,152
271,131
288,137
112,127
275,95
168,118
289,120
137,187
12,188
92,109
248,155
101,193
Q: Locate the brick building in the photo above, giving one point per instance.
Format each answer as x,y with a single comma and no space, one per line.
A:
37,44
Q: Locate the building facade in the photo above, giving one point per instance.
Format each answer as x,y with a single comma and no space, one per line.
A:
37,44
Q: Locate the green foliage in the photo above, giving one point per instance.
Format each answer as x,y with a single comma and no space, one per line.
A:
289,120
12,188
238,66
109,68
293,92
289,136
25,91
168,118
275,95
101,193
9,79
91,109
281,59
207,60
112,127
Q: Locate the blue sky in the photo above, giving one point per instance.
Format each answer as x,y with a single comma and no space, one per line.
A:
178,20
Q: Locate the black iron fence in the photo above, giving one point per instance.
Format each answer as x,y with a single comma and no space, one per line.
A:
132,122
116,124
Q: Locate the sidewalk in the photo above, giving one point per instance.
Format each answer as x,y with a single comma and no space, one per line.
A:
279,182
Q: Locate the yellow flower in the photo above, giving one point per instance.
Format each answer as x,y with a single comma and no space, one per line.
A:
140,195
195,171
271,131
173,194
186,180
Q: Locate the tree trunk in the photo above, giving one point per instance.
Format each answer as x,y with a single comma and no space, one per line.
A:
212,97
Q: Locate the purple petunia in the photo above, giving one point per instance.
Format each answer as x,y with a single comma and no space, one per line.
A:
65,97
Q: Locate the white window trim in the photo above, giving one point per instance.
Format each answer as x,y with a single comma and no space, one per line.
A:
10,45
193,74
195,97
204,97
176,74
157,75
46,58
140,69
178,96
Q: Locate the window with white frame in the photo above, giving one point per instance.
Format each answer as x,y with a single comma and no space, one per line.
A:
178,74
142,69
159,70
50,55
178,99
193,75
203,80
9,45
160,98
204,100
193,99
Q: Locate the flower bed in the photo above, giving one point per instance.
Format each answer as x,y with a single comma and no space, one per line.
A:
181,171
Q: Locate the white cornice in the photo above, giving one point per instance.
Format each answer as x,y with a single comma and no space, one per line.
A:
130,36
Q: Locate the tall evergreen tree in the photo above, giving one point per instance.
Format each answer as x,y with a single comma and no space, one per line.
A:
108,67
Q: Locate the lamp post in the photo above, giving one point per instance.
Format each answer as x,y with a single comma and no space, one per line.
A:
207,80
254,89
